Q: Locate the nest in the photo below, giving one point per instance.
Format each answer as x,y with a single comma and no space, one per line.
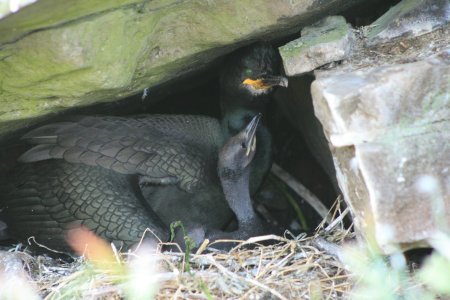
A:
290,267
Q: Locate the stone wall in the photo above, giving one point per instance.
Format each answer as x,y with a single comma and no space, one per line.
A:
385,112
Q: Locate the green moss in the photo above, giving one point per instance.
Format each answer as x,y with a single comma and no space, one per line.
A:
328,30
402,136
60,55
111,55
52,69
439,100
47,13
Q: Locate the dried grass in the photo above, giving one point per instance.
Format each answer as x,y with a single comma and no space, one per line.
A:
290,268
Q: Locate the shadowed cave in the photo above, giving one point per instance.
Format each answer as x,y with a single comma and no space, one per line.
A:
198,94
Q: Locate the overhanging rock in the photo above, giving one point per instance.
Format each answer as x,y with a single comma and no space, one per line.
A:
59,54
409,18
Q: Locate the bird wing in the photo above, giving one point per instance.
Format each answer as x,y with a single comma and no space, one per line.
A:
162,149
46,199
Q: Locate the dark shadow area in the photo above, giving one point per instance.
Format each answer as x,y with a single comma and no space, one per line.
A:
199,95
366,12
416,257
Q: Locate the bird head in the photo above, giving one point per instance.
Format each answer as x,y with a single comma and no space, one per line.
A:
254,71
239,150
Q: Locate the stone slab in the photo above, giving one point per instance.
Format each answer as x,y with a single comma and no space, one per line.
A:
408,18
388,127
331,39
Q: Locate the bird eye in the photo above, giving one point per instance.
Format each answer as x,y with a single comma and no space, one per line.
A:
243,145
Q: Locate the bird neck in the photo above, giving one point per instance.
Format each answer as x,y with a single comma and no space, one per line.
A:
238,101
262,161
234,121
236,189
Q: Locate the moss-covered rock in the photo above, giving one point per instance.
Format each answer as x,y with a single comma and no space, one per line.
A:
57,54
330,39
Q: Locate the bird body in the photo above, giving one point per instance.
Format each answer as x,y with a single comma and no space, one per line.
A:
171,158
119,175
43,200
176,149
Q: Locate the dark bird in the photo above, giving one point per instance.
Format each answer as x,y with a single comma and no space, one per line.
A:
118,176
233,167
246,84
234,173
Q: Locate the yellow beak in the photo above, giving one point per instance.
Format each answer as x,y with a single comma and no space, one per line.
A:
265,82
257,84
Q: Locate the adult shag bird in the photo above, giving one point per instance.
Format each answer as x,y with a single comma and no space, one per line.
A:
120,175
